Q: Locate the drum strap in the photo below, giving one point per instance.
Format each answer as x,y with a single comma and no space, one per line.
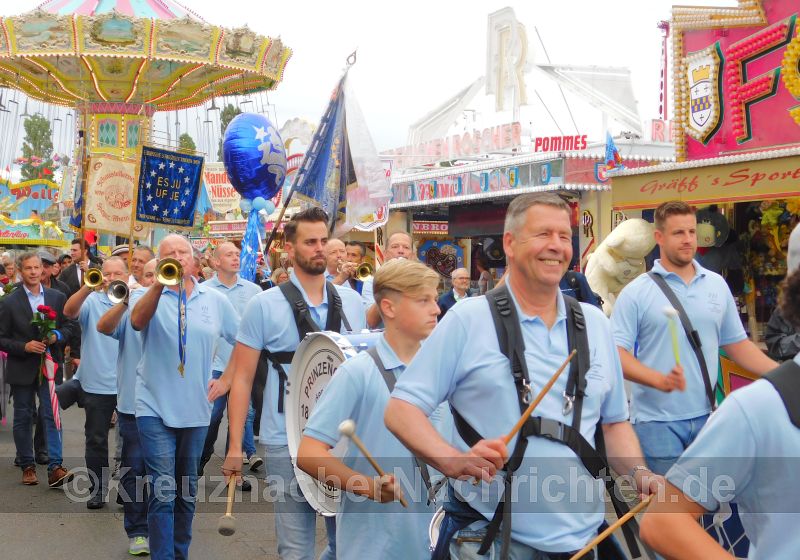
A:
786,380
422,467
305,324
512,345
691,334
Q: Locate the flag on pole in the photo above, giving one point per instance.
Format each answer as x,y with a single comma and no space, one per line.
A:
250,242
613,159
341,171
49,368
169,185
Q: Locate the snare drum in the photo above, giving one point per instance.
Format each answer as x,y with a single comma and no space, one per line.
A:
433,528
315,361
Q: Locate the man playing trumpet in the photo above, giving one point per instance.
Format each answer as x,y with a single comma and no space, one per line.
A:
172,412
98,370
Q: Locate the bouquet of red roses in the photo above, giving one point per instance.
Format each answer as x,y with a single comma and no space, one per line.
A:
45,320
8,287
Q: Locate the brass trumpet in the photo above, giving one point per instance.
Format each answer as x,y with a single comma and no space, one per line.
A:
169,272
363,271
93,278
118,292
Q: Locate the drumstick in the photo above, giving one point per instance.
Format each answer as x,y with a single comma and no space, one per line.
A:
348,428
227,523
672,316
524,418
604,535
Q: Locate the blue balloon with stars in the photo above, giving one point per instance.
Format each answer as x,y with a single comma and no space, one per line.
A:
254,156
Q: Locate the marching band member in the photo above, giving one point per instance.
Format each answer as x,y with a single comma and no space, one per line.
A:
239,292
339,268
142,254
406,294
172,412
746,453
116,323
398,246
671,402
98,374
463,362
269,324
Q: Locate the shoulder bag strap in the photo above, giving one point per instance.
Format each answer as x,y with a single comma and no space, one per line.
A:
336,314
691,334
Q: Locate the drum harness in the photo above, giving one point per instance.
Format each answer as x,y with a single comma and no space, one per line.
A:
388,377
305,324
512,345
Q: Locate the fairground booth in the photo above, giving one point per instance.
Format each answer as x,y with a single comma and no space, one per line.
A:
737,122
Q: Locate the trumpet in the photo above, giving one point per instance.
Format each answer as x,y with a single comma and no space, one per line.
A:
169,272
93,278
118,292
363,271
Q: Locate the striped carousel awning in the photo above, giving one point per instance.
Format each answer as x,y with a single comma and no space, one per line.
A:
157,9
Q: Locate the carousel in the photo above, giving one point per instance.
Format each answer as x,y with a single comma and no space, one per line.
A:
101,70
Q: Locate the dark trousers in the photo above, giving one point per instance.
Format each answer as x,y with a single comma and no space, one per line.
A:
24,409
134,493
99,409
39,434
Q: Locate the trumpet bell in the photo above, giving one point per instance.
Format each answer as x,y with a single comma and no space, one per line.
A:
169,272
93,278
118,291
364,271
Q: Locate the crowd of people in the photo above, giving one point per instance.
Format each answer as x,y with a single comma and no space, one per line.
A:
447,378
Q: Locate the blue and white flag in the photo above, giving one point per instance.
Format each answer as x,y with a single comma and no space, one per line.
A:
76,217
169,183
251,241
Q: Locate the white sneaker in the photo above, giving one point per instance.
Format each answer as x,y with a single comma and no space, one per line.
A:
245,460
139,546
255,462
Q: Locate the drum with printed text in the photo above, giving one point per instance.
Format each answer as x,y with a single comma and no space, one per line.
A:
315,362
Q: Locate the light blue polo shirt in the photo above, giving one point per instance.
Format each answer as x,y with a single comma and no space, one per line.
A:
98,352
748,453
269,323
638,317
128,358
238,294
181,402
367,291
557,504
365,528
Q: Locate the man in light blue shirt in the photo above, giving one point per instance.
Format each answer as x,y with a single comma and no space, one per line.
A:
669,401
366,525
747,453
132,493
557,505
239,292
269,323
172,411
98,374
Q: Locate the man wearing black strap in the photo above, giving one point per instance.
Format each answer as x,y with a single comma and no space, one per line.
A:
673,395
274,323
552,465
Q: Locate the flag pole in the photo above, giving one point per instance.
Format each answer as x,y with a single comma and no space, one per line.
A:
84,179
317,138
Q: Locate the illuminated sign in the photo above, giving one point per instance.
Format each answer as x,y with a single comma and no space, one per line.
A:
559,143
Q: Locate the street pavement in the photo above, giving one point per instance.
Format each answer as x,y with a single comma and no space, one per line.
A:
40,522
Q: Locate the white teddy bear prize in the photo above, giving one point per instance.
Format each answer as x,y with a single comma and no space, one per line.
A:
619,259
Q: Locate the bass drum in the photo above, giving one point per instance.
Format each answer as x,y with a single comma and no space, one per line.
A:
315,361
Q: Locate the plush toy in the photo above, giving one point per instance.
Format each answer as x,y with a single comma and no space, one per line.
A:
619,259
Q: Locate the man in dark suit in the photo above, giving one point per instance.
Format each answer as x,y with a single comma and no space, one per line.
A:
72,276
23,344
460,277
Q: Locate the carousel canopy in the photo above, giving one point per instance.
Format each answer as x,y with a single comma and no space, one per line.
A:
151,52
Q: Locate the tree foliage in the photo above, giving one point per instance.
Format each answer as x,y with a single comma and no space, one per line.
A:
186,142
225,118
37,149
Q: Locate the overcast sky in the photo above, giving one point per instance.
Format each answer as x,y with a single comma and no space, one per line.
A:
414,54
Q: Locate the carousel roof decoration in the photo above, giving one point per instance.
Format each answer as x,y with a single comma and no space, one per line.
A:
138,52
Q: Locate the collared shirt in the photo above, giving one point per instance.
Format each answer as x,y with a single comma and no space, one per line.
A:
269,323
181,401
478,383
239,294
367,294
747,453
35,300
638,318
365,528
98,352
128,358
